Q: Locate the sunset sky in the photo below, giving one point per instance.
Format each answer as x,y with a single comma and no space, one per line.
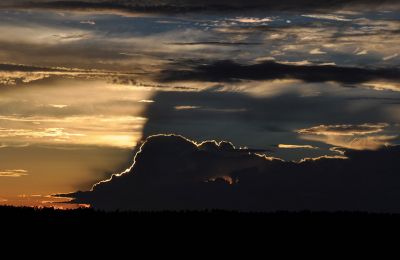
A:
84,83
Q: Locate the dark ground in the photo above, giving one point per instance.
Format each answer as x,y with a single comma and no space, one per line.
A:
198,231
91,217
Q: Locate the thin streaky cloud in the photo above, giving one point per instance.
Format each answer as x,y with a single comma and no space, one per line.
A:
13,173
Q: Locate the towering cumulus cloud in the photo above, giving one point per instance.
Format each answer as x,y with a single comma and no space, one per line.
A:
171,173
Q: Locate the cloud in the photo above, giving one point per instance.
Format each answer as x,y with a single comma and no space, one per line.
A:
27,68
118,131
328,17
230,71
146,101
53,42
296,146
390,57
252,20
354,142
382,85
358,137
58,133
61,111
13,173
58,106
172,172
15,78
70,37
360,51
176,6
8,145
317,52
218,43
186,107
14,74
88,22
344,129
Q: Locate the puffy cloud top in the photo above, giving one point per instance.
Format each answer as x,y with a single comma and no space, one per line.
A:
172,172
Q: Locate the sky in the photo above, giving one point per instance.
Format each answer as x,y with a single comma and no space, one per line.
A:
83,84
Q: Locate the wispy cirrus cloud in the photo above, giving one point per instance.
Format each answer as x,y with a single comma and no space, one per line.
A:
57,133
344,129
359,137
14,74
390,57
13,173
296,146
103,131
327,17
90,22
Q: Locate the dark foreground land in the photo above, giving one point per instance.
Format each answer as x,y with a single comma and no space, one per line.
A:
91,217
202,228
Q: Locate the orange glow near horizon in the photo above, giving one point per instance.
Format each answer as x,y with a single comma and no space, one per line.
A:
39,201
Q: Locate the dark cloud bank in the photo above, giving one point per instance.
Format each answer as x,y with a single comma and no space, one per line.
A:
228,71
176,6
171,172
25,68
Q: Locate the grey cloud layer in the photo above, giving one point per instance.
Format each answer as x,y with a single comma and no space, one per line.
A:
228,71
145,45
192,5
